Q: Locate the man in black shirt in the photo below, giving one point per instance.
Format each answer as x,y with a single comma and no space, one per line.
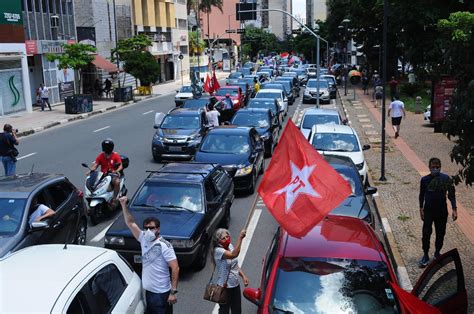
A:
433,207
8,140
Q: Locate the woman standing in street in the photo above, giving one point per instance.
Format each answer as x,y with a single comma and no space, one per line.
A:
228,271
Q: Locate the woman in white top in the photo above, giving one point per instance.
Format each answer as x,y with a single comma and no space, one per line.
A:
213,115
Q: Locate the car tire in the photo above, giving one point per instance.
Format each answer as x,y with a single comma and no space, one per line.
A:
157,158
81,233
201,259
253,182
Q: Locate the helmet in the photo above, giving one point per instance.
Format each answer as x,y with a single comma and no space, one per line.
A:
107,146
227,95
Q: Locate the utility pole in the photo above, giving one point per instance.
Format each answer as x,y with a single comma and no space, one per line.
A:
384,82
116,44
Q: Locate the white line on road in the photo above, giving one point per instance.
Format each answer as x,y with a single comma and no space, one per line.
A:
101,129
26,156
148,112
245,246
101,234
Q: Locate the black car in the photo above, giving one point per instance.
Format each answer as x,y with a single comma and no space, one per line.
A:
279,85
356,205
239,150
191,200
294,81
19,197
267,103
198,103
264,122
179,134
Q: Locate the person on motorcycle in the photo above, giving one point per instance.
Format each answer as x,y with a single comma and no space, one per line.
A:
110,162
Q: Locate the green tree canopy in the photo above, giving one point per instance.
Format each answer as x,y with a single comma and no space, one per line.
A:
130,45
196,43
258,41
143,66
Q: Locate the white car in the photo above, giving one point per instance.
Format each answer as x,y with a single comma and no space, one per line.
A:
313,116
427,113
341,140
183,94
76,279
277,94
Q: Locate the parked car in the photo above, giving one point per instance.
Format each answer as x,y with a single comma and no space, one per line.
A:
235,93
289,87
279,85
264,121
342,140
341,266
294,75
79,279
277,94
199,103
191,200
19,197
313,116
311,92
268,103
233,77
239,150
183,94
178,134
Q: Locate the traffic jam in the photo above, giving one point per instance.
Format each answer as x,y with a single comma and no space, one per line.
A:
222,141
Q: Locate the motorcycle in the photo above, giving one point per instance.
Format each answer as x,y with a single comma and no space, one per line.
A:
99,192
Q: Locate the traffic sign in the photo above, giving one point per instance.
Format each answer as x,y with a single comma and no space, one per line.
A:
240,31
229,31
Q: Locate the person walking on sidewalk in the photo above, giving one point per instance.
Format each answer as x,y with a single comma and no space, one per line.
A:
44,94
393,88
8,152
378,92
397,111
433,208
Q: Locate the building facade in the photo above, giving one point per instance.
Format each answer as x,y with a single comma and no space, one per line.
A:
315,10
14,81
179,37
278,23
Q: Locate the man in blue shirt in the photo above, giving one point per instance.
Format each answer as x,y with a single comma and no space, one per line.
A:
433,207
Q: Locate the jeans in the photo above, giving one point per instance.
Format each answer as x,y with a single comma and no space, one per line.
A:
439,220
9,165
234,302
157,303
43,101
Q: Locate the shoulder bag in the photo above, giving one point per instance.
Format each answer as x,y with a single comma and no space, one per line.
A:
215,293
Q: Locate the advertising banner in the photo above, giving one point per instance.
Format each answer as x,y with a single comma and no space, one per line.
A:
66,89
442,94
10,12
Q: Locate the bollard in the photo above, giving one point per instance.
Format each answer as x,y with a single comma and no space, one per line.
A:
418,105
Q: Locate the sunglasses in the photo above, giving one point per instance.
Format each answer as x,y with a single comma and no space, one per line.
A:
150,228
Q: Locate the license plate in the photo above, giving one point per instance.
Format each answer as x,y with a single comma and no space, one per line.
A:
137,259
174,148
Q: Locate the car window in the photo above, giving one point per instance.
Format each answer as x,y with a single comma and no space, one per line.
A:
211,192
11,211
314,83
225,144
263,94
169,196
180,122
59,193
312,119
231,91
221,180
252,119
271,253
335,142
186,89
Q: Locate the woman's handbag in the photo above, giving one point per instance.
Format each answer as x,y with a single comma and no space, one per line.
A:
215,293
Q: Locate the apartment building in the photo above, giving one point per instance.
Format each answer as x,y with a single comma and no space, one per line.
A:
315,10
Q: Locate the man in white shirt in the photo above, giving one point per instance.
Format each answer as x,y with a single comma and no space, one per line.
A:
213,116
158,257
44,94
397,112
41,212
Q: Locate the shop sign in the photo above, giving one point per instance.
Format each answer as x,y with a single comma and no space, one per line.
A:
51,46
66,89
31,47
10,12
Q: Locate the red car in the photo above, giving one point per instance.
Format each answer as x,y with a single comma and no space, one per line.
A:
341,267
235,93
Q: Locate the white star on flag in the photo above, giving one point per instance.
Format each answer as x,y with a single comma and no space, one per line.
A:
299,184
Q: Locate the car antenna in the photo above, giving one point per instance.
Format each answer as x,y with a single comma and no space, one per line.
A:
32,167
67,238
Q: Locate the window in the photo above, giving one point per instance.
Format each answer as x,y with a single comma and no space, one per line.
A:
220,180
211,193
60,192
181,24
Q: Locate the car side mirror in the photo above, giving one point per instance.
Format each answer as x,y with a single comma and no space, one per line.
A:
253,295
345,121
39,225
366,147
371,190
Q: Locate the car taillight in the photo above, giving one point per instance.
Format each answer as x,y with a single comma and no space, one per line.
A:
80,193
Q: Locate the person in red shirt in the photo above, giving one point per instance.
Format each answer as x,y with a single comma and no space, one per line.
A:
110,161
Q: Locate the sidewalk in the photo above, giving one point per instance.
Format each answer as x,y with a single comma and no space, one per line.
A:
29,123
406,160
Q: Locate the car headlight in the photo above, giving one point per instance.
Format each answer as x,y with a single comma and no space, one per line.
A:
182,244
360,166
235,101
194,138
306,92
244,171
157,137
113,240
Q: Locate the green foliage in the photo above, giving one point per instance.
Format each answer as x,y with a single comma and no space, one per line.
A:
206,5
75,56
459,25
143,66
410,89
196,43
259,41
130,45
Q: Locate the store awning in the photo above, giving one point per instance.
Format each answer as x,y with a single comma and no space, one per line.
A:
104,64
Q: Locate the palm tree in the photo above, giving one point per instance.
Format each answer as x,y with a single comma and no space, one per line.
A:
196,44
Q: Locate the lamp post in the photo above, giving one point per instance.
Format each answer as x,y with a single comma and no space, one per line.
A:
116,45
343,27
384,82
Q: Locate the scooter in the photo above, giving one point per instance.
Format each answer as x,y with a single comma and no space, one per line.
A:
99,192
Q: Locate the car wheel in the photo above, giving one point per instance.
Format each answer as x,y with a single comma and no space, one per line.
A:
251,188
201,258
81,233
156,158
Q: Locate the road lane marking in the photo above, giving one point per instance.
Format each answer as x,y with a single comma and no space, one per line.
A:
26,156
101,129
148,112
101,234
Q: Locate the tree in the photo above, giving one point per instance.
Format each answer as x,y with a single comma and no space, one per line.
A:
259,41
76,56
129,45
143,66
196,44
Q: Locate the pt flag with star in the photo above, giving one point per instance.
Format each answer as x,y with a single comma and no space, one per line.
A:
299,187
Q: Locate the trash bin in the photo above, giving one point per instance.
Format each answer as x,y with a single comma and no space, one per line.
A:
78,104
123,94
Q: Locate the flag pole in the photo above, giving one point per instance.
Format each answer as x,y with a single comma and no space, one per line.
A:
250,213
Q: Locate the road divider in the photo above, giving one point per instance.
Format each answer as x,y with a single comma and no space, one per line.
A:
26,156
101,129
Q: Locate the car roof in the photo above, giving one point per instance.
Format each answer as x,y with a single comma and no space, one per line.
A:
271,90
24,184
230,129
253,110
186,172
333,128
336,237
320,111
184,111
40,273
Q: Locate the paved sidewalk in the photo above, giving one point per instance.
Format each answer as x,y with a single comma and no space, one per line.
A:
37,121
406,161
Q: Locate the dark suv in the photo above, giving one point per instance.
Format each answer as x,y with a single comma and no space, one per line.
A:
191,200
18,195
179,134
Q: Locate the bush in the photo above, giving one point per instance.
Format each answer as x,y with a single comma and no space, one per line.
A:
410,89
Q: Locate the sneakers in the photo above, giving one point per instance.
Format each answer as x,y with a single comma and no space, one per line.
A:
424,261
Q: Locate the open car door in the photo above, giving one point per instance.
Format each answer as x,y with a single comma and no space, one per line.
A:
442,284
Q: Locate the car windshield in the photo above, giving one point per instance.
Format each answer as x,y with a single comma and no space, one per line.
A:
263,94
274,86
255,119
312,119
232,92
11,212
186,89
226,144
235,75
352,177
195,103
246,71
180,122
309,285
300,71
260,104
336,142
314,83
170,196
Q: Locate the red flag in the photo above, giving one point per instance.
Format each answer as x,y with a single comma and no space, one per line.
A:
299,187
215,83
207,84
411,303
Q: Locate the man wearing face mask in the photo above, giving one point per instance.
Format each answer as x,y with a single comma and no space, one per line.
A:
433,207
158,257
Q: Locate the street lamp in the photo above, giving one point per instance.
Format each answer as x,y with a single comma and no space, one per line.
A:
343,27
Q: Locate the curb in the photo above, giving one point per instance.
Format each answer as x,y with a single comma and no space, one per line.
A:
392,246
81,116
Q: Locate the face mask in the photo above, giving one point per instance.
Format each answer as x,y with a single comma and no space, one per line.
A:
225,244
435,171
149,236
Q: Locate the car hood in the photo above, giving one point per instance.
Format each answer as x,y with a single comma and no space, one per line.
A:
352,206
222,159
177,133
7,243
173,224
184,95
357,157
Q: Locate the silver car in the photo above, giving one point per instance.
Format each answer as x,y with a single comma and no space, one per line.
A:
311,91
